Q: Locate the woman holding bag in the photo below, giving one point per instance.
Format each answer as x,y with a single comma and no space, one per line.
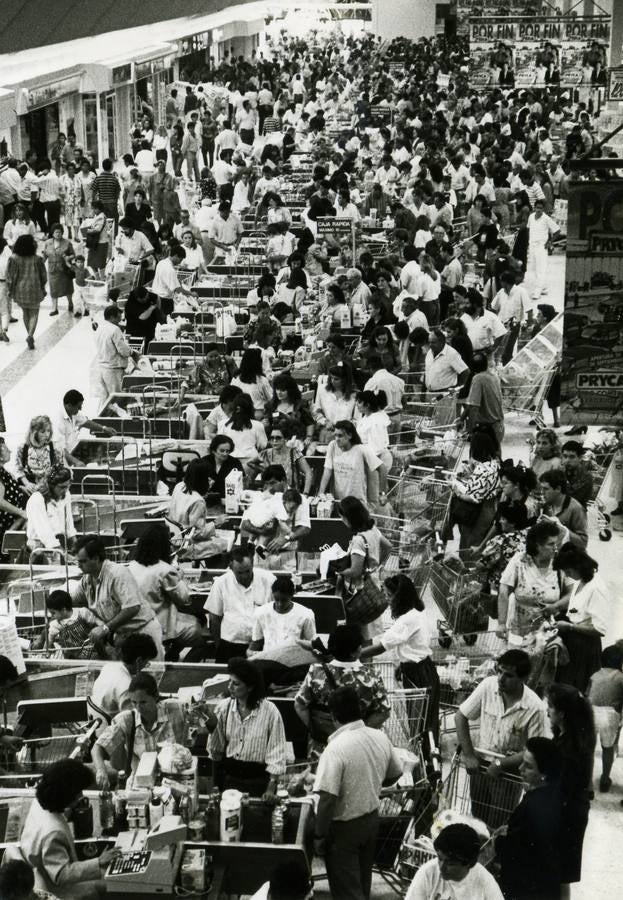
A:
474,501
367,551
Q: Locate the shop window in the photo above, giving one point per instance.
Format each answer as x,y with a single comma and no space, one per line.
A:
89,112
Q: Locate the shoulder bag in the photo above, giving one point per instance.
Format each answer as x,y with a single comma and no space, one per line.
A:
368,602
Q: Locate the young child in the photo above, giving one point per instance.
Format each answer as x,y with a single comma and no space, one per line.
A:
605,691
81,273
70,628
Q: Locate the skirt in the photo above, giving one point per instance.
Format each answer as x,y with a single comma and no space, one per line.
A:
97,256
424,675
584,659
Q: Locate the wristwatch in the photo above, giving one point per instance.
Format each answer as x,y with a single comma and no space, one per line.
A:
497,763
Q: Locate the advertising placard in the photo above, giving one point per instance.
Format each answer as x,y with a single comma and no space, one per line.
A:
537,51
615,85
592,362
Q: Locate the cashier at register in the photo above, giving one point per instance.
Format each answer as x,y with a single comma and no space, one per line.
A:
46,841
247,740
143,728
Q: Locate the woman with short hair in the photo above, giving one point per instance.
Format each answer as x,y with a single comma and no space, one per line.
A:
47,842
26,279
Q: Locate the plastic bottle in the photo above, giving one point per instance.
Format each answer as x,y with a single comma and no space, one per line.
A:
231,816
155,810
278,817
107,813
213,816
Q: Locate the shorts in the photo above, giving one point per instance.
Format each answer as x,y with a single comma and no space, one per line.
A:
607,724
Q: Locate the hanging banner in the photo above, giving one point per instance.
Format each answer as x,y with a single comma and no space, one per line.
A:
592,364
537,52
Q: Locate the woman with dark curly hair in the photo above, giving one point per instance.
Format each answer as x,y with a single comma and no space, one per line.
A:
46,842
247,740
26,279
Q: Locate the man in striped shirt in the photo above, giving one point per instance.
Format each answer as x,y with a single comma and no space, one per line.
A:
272,123
106,189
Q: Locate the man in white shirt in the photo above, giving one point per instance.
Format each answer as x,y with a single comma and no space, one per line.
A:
267,182
479,186
410,272
357,762
484,328
387,175
110,690
166,282
360,293
541,230
113,353
382,380
443,367
131,245
227,139
226,229
344,208
510,306
69,422
223,170
232,602
411,313
456,873
283,622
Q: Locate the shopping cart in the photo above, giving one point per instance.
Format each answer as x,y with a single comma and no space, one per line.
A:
459,597
399,811
38,754
409,706
427,447
489,802
421,497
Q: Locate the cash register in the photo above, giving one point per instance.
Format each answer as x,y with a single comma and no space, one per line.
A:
149,861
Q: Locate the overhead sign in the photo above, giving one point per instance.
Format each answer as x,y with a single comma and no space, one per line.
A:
380,113
52,92
615,85
592,361
533,51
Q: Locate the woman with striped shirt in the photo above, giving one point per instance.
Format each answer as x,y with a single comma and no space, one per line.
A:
247,740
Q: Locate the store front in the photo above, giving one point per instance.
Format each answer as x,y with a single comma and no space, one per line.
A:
64,101
151,78
194,56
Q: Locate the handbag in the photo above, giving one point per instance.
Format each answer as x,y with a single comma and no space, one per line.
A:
322,723
368,602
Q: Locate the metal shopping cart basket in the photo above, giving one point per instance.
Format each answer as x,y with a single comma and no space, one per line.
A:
459,597
422,498
402,810
37,754
489,800
431,447
409,707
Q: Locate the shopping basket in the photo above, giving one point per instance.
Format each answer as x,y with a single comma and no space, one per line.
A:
459,597
409,707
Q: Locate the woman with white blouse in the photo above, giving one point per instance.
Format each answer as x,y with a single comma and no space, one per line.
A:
373,429
246,432
194,260
252,381
410,639
335,398
587,616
